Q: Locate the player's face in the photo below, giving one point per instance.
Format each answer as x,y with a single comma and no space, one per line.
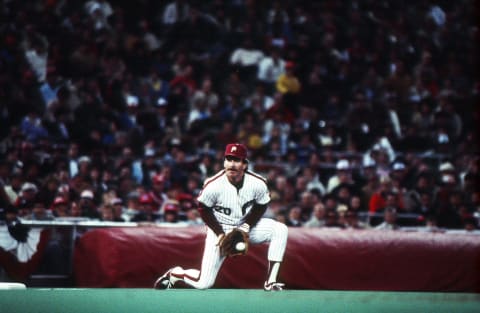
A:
234,168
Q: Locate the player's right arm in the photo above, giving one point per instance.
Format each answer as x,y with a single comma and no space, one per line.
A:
206,213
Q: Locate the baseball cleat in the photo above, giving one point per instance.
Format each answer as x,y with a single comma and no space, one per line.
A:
273,286
166,281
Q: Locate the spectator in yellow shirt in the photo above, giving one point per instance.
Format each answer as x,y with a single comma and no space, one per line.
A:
288,83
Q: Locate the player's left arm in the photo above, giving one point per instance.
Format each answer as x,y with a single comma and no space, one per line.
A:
255,214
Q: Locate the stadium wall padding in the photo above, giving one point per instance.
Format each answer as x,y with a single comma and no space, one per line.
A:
327,259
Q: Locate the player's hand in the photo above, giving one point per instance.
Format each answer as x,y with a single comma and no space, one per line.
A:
244,227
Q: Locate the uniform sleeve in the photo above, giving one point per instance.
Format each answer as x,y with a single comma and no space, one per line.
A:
263,195
207,197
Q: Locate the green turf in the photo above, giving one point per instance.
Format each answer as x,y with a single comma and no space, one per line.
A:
37,300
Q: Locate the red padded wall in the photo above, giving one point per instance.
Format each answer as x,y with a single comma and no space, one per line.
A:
315,259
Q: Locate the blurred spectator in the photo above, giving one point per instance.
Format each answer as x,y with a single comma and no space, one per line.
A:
32,127
378,199
147,210
357,204
294,217
389,220
87,205
157,192
352,220
60,208
246,58
118,208
289,85
40,213
27,195
448,213
12,190
193,217
331,220
269,70
106,213
318,216
175,12
343,175
171,212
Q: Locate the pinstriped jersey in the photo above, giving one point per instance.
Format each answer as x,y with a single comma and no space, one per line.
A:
229,204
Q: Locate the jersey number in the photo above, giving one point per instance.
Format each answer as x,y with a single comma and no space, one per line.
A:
226,211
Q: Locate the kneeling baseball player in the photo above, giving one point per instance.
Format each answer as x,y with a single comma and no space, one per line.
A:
232,204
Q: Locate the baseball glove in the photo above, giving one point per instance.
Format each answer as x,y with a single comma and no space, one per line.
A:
228,244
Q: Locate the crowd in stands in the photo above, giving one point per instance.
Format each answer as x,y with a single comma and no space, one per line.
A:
118,110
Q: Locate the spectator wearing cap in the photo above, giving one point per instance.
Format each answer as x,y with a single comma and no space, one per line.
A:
447,183
118,208
60,207
84,166
447,173
398,172
341,214
27,195
65,192
343,175
398,177
368,171
171,212
149,166
147,210
87,205
157,192
162,120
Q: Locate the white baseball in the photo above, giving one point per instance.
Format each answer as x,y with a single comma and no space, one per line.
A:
240,246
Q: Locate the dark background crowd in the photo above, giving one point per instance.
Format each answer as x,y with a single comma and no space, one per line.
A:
118,110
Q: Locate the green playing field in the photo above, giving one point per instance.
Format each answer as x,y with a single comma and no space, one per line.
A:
38,300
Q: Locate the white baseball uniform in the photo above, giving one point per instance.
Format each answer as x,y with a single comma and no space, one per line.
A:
230,205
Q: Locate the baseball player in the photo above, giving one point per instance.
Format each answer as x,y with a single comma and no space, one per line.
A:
233,198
